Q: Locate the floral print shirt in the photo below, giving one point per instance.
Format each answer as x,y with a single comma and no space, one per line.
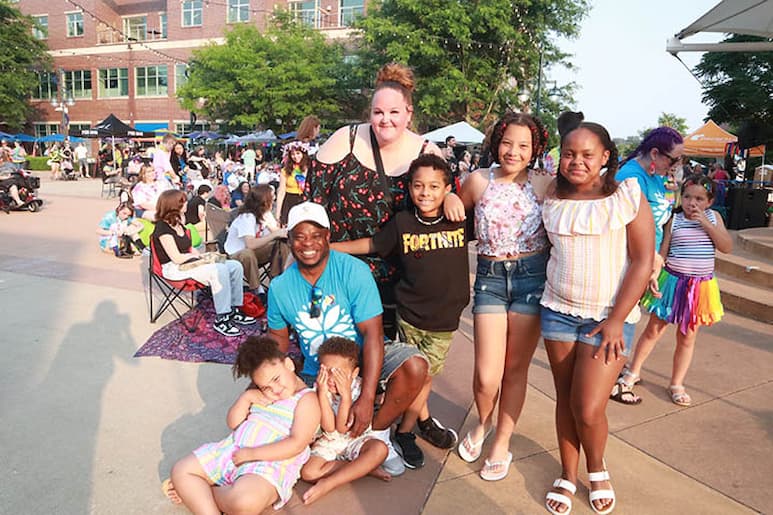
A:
508,219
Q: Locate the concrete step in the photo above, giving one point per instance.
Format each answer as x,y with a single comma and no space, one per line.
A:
746,267
747,300
757,241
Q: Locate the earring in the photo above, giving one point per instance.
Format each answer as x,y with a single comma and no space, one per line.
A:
652,166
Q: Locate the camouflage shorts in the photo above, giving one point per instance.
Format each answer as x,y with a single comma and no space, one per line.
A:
433,344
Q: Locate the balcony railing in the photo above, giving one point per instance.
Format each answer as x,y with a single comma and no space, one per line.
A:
110,36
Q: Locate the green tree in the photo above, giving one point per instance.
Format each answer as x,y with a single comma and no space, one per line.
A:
675,122
738,87
20,57
471,57
271,80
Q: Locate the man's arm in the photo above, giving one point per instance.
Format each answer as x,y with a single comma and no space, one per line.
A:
282,337
372,360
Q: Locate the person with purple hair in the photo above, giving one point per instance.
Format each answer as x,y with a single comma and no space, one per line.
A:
659,152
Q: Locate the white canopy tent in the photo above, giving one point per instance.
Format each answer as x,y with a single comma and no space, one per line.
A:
750,17
464,133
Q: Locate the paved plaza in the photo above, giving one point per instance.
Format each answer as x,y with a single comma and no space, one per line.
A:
87,428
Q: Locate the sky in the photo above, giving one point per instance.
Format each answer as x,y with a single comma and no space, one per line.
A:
624,75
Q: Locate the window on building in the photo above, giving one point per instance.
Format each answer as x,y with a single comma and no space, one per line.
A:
135,28
162,23
191,13
238,11
78,83
40,29
79,126
74,24
113,82
304,11
46,86
183,129
349,11
45,129
180,76
151,81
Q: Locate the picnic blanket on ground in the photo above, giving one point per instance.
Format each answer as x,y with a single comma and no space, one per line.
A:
173,341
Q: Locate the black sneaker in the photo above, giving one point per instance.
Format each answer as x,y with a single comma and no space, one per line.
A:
240,318
434,432
405,445
225,327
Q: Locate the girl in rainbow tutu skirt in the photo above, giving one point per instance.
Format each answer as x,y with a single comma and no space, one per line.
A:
684,292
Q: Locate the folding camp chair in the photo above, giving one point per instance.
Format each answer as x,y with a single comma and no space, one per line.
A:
217,220
111,181
173,292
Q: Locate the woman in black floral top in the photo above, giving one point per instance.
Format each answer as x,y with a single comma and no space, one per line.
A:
345,178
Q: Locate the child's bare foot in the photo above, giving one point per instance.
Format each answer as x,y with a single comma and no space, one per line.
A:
319,489
380,473
168,488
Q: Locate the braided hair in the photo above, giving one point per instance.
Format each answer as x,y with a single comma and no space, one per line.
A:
610,184
539,135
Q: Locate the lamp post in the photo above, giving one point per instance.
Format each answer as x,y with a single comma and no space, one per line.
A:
63,101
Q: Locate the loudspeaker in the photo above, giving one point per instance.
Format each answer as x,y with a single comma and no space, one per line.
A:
746,208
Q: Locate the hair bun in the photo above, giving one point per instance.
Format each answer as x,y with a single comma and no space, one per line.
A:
395,72
568,121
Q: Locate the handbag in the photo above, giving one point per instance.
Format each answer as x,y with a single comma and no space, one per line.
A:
252,306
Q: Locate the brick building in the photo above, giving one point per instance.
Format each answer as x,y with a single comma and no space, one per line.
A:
127,57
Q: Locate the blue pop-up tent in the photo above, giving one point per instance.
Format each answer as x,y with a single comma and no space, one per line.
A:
59,138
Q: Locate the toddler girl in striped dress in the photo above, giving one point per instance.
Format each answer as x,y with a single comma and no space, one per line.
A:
684,292
259,463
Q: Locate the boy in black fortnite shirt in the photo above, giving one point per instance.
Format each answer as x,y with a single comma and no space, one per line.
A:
431,293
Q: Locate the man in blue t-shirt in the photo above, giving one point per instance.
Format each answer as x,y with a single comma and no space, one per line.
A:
326,293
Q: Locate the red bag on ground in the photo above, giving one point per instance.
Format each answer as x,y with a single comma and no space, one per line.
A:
253,306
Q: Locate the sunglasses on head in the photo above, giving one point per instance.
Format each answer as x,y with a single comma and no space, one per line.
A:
316,302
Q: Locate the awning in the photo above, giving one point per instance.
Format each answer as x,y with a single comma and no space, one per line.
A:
749,17
151,126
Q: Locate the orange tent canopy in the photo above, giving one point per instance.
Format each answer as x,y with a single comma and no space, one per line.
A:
710,141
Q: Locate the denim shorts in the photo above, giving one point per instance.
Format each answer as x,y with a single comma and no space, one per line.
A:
515,285
561,327
395,354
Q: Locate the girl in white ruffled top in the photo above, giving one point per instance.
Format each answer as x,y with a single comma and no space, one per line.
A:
603,245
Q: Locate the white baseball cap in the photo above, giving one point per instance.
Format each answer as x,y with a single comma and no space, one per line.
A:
307,212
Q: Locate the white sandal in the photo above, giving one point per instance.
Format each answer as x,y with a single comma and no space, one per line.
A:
475,447
597,495
563,499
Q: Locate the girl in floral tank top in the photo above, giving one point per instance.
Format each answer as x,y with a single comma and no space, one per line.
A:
512,254
260,461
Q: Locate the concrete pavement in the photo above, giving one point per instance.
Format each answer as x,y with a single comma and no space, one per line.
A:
86,428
